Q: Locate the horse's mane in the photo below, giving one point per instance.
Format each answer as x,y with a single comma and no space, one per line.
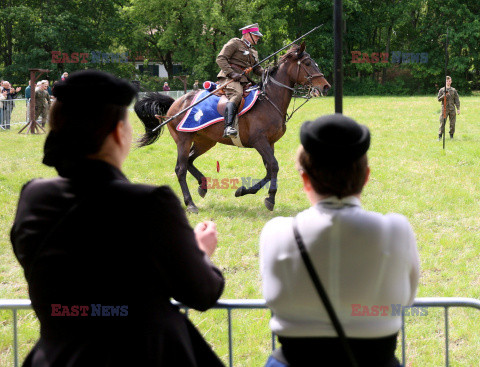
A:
272,70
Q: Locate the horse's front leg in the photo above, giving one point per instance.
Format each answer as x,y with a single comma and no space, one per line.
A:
183,148
200,146
267,152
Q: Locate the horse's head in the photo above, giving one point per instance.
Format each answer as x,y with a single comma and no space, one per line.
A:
304,70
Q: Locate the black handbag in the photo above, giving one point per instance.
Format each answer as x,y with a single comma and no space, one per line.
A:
323,295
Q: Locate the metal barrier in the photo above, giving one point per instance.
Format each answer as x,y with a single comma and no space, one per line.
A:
13,112
16,111
229,305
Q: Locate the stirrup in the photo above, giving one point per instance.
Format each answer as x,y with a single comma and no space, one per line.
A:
230,131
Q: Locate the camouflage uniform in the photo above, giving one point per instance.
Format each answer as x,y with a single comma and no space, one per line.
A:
242,55
452,101
42,104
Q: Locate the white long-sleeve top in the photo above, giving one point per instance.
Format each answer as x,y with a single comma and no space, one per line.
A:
364,259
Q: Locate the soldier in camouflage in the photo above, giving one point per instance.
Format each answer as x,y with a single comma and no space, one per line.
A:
452,102
237,55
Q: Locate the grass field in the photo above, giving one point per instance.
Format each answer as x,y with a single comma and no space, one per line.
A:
438,190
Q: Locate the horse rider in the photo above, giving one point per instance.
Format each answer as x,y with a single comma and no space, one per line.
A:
237,55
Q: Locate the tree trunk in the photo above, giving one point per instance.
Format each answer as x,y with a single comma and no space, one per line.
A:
169,64
387,50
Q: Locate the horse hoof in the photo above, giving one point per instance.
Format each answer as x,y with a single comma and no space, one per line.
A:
240,191
192,209
269,204
201,191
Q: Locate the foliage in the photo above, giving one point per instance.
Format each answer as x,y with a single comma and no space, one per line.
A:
190,34
34,29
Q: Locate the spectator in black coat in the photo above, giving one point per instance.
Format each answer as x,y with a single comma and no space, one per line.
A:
102,256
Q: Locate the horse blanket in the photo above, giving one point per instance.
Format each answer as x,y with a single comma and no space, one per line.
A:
205,113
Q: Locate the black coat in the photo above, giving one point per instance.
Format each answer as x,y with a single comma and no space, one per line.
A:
10,97
123,250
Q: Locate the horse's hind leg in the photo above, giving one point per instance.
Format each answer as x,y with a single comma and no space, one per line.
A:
183,147
200,146
267,152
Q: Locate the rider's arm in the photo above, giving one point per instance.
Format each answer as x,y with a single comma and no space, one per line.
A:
224,56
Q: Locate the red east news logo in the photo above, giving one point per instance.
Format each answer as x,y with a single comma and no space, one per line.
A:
358,57
209,183
82,310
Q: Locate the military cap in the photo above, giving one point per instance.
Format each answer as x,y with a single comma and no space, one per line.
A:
335,139
252,28
109,89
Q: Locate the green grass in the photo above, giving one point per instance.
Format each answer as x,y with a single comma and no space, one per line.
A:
438,190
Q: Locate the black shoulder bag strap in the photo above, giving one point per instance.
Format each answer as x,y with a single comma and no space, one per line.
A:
323,295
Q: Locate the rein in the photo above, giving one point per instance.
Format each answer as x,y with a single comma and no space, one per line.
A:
308,95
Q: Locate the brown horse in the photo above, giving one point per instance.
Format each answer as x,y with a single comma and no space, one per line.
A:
260,128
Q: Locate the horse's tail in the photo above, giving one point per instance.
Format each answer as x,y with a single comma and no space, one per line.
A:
146,108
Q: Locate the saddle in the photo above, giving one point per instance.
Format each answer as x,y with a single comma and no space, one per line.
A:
210,110
210,86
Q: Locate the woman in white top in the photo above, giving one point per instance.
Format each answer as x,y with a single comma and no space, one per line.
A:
367,262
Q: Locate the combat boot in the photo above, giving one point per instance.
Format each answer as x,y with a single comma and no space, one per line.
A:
439,137
451,136
229,115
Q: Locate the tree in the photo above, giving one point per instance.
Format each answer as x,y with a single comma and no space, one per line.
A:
38,28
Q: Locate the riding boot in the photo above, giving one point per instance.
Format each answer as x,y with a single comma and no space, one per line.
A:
229,115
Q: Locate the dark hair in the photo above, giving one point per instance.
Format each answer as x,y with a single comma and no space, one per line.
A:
81,120
328,180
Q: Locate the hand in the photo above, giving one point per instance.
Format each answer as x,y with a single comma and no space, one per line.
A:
235,76
458,111
18,89
206,235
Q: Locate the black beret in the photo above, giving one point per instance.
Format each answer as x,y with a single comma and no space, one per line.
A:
335,139
94,86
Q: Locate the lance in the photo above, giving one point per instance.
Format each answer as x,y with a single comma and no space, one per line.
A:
246,71
445,92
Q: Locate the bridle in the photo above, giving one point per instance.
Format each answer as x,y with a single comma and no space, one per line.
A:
308,76
309,85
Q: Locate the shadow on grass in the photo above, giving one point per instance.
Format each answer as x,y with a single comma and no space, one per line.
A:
235,208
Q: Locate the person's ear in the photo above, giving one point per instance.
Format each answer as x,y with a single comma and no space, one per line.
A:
307,184
118,134
367,176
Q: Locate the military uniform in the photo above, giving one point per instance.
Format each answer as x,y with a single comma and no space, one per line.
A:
452,102
236,56
42,104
